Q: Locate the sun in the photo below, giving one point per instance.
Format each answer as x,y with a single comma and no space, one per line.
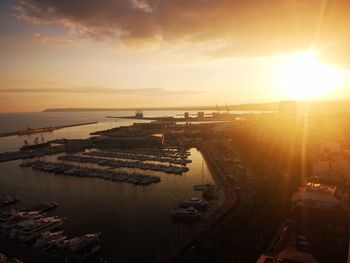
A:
303,77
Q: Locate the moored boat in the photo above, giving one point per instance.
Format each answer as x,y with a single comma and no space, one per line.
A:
34,229
194,202
188,213
83,242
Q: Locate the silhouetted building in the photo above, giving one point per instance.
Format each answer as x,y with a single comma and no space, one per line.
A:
200,114
186,115
139,114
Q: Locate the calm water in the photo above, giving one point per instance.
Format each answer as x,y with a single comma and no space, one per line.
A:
134,220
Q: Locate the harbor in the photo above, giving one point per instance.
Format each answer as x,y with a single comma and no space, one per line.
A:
87,198
170,167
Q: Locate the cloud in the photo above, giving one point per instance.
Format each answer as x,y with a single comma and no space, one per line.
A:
249,28
101,90
50,40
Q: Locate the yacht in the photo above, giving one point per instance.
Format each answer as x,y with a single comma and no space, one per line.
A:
202,187
82,242
185,213
34,229
11,214
8,200
42,207
17,221
14,230
49,238
194,202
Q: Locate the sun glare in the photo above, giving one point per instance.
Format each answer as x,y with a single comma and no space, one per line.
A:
303,77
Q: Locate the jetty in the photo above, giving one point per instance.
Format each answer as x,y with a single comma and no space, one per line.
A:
43,129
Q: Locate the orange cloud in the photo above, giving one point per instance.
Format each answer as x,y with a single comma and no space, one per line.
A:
248,27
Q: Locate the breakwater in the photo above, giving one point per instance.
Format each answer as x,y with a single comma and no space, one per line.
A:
42,130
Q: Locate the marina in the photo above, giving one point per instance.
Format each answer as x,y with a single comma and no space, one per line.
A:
89,197
113,175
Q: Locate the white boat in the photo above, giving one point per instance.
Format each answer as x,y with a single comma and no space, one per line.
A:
188,213
194,202
82,242
13,213
47,238
34,229
18,221
15,230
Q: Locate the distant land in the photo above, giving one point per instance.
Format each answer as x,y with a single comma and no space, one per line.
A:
312,106
272,106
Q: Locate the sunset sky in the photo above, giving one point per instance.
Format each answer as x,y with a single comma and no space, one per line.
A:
130,53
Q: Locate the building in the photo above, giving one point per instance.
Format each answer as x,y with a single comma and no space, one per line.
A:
316,195
139,114
186,116
200,115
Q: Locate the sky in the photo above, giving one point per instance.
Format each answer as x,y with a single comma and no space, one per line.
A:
161,53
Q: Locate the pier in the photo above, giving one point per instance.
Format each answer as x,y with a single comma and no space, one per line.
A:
42,130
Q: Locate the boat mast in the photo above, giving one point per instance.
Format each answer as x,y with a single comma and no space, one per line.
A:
202,170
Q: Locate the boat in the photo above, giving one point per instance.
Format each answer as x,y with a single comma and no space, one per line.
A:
42,207
34,229
8,200
49,238
18,221
61,244
202,186
7,215
83,242
189,213
194,202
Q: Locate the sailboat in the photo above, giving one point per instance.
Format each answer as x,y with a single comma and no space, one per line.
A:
202,186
